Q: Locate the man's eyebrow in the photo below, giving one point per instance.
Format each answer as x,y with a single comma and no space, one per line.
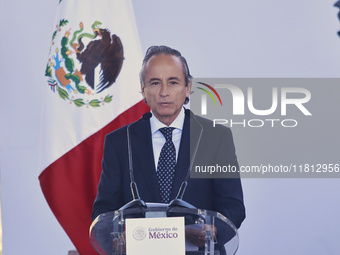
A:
174,78
158,79
154,79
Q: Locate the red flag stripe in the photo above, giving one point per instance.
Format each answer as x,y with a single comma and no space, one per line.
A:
70,183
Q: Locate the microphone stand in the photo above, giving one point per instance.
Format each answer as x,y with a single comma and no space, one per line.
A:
137,201
178,201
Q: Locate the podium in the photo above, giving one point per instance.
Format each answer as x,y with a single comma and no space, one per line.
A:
107,232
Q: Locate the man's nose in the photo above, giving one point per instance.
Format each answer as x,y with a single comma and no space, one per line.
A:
164,91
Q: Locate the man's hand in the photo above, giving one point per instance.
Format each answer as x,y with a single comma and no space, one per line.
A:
119,244
197,237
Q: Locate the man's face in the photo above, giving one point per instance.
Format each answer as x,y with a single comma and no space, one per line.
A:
164,87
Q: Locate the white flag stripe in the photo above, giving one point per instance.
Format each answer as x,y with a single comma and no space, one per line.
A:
68,129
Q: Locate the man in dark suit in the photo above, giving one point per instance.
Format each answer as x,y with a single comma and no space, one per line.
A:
166,86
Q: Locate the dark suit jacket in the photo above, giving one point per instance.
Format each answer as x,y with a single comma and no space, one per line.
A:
216,146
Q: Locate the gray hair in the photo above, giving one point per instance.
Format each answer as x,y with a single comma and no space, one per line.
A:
157,50
162,49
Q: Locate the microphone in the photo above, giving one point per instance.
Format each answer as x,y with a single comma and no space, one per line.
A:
178,201
137,201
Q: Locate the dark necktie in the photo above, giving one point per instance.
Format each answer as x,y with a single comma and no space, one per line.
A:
166,165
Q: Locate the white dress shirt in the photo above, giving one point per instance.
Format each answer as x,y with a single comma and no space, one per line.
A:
158,139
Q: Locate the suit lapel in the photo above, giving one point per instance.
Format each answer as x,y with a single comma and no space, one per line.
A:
143,161
191,132
143,158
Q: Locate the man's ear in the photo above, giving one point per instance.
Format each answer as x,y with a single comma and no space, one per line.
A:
143,93
142,90
188,91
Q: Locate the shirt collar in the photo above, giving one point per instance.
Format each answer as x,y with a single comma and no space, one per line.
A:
177,123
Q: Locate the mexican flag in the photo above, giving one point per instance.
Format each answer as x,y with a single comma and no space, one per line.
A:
92,88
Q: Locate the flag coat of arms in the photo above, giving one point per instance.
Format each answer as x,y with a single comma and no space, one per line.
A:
92,88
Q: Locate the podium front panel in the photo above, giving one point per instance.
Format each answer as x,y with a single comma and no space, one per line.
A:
206,232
